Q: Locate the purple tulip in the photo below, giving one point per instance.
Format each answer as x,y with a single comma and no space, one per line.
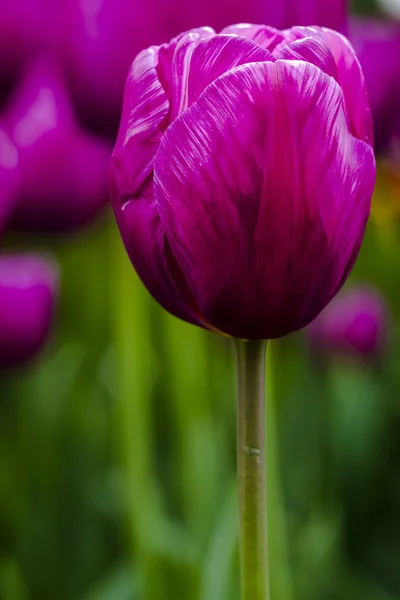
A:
26,27
27,293
9,177
377,44
102,37
242,175
63,169
354,323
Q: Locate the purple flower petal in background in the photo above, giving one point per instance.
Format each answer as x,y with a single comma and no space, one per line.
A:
243,173
9,177
63,169
354,323
377,44
26,28
28,286
100,38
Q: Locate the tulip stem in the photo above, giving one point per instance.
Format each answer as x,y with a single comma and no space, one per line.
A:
251,462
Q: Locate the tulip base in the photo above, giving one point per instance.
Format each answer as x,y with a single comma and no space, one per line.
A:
251,461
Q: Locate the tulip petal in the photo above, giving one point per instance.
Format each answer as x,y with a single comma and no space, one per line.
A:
352,82
267,37
312,49
275,131
143,120
197,62
145,241
333,53
145,115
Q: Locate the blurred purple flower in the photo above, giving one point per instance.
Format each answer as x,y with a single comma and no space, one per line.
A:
27,293
26,27
102,37
377,44
242,177
63,169
9,177
354,323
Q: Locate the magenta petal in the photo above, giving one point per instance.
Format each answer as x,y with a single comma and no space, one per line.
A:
267,37
213,57
173,65
318,45
351,80
27,294
145,241
143,120
197,61
313,50
264,195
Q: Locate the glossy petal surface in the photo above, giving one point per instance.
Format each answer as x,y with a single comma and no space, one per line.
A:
198,61
243,173
144,118
352,82
229,186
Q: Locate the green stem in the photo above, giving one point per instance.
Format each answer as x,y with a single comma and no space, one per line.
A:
252,470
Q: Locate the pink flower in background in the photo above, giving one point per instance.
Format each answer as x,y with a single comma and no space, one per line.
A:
377,44
9,177
242,174
63,168
26,27
28,286
101,37
354,323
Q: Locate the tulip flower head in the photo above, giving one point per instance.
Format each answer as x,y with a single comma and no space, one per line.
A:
27,293
63,168
242,174
355,323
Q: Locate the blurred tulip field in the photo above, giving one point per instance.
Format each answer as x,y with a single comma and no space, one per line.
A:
117,420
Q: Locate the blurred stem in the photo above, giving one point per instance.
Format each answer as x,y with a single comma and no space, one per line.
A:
281,577
132,336
253,542
196,436
221,554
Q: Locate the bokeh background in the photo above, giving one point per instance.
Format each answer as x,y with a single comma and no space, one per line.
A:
117,439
